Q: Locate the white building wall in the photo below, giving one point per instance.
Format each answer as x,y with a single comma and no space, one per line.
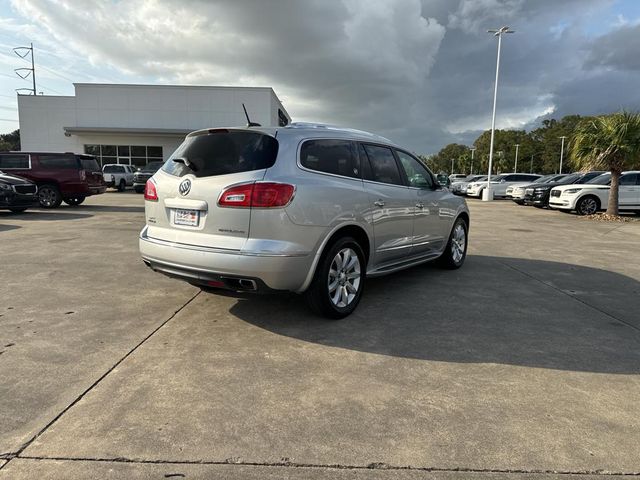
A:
43,118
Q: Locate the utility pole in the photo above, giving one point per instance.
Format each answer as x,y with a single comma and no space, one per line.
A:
561,152
472,152
515,168
487,193
452,166
31,70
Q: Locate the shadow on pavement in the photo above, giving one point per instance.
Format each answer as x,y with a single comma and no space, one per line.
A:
6,228
492,310
44,215
111,208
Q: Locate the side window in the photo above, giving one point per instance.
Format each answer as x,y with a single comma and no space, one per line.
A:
122,169
629,179
57,161
14,161
417,174
330,156
383,165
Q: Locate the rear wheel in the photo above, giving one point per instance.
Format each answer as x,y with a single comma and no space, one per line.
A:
588,205
49,196
122,185
73,201
338,282
456,250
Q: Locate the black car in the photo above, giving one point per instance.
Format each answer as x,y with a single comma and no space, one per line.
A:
17,193
145,173
538,195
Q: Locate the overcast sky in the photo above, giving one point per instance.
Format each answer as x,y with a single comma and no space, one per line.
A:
420,72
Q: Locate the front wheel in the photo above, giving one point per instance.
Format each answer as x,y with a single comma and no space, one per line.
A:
338,282
587,205
73,201
49,196
456,250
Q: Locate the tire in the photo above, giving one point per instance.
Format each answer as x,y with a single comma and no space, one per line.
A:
455,252
122,185
336,295
588,205
519,202
73,201
49,196
17,209
139,189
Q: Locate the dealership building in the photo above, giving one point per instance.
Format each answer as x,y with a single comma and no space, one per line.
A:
137,124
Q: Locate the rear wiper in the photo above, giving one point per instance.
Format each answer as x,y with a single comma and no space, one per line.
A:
183,160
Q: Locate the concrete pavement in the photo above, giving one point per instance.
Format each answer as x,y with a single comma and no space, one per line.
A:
523,363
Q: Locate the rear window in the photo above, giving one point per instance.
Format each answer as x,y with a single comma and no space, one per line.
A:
113,169
57,161
14,161
330,156
90,164
222,153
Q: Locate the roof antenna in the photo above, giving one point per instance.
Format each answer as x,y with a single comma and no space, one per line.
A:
249,122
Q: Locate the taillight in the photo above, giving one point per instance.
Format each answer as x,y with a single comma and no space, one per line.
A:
83,175
257,195
150,192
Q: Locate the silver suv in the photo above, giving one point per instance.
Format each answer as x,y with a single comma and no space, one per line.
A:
305,208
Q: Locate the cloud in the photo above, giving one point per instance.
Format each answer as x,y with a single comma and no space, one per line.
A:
417,71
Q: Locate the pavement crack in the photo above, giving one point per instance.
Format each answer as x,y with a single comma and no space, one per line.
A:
577,299
94,384
331,466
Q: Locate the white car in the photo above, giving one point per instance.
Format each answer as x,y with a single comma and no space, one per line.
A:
500,183
590,197
118,175
459,187
516,192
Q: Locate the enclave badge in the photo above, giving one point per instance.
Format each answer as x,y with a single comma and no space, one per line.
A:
184,187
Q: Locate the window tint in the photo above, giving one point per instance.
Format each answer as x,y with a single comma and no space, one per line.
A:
223,152
604,179
90,164
57,161
417,174
330,156
589,176
14,161
383,165
629,179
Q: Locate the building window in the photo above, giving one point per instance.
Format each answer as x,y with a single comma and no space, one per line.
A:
138,155
283,121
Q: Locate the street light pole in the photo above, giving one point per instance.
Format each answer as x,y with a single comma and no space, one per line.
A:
452,166
561,152
515,168
487,193
472,152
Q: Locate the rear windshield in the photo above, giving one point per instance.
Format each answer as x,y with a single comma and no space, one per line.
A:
151,167
90,164
223,152
112,169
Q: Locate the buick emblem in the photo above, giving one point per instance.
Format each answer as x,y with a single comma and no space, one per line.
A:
184,187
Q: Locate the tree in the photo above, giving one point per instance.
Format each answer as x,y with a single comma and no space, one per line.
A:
454,151
611,142
10,141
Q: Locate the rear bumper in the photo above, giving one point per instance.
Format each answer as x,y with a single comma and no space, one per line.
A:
202,265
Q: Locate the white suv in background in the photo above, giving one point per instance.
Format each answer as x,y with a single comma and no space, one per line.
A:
590,197
499,183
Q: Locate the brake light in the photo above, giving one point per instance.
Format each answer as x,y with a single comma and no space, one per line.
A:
83,175
257,195
150,192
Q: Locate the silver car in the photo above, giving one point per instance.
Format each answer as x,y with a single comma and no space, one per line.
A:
305,208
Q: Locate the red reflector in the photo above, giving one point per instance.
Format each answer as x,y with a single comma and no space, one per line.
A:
83,175
150,192
215,283
257,195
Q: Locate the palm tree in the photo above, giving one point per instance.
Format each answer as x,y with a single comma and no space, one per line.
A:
609,142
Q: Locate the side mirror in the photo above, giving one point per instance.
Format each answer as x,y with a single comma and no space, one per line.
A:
502,181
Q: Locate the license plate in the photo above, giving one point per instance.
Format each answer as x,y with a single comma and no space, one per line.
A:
186,217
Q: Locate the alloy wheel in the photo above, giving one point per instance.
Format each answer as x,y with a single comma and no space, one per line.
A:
458,243
588,206
344,278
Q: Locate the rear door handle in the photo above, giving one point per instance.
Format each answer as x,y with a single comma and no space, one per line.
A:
379,203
